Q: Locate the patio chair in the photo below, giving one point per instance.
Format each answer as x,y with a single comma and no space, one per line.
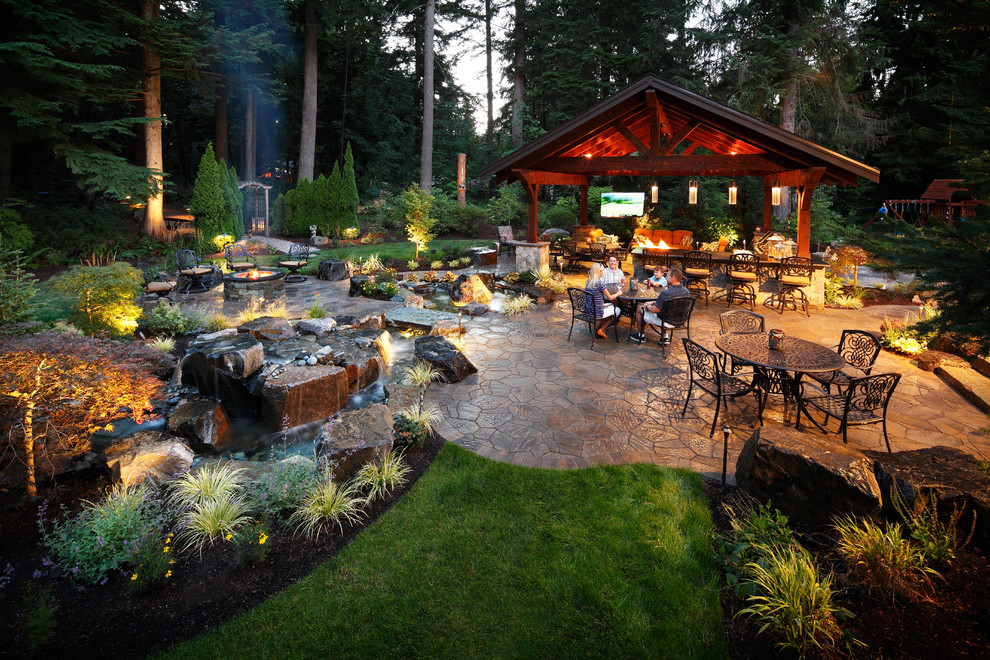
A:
738,320
860,350
152,284
239,258
697,270
578,307
795,274
598,253
742,277
506,239
189,266
675,313
864,402
705,371
296,259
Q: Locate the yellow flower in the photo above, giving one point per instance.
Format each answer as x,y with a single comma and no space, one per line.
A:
168,575
134,577
229,536
262,539
171,561
166,549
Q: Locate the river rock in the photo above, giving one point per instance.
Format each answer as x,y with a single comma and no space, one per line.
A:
354,438
808,477
300,395
453,365
955,477
147,455
475,309
319,327
268,328
203,423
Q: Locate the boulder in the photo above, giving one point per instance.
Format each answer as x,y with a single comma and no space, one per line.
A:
293,395
203,423
359,357
453,365
539,295
268,328
357,282
213,336
418,319
291,349
333,270
810,478
239,355
373,321
354,438
474,309
447,328
414,300
147,455
400,396
473,290
956,478
319,327
931,360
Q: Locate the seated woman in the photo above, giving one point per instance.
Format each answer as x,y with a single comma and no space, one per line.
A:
595,304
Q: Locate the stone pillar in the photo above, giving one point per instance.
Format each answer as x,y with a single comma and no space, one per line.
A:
530,256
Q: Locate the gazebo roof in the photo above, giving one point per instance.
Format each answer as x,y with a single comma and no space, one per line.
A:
654,128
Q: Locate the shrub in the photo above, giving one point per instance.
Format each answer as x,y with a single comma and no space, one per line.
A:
851,301
527,277
216,321
436,265
430,276
105,535
350,233
103,297
414,423
938,541
211,482
507,208
212,520
882,559
372,264
14,234
215,203
326,505
282,488
38,610
754,530
169,319
151,565
412,264
251,541
163,344
380,479
16,288
517,305
317,310
794,603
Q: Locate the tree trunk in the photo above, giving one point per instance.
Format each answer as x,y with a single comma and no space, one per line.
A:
6,159
518,81
250,136
154,219
307,133
220,123
490,127
32,487
426,154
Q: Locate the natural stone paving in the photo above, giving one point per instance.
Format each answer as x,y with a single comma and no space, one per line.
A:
539,400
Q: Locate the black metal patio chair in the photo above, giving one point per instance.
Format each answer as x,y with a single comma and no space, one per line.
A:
864,402
860,350
296,259
705,371
190,267
578,311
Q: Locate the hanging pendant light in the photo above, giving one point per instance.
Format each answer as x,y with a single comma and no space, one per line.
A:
693,191
654,192
733,192
775,194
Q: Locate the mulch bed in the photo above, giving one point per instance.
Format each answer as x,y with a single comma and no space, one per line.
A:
110,621
952,621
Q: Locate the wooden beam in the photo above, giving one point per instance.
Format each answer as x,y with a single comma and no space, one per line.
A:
654,105
804,220
636,143
584,205
700,165
807,176
677,139
550,178
532,196
690,149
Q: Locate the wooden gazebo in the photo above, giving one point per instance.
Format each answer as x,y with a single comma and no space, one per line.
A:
654,128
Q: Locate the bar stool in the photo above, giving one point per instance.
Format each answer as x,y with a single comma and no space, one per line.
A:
697,270
742,276
795,274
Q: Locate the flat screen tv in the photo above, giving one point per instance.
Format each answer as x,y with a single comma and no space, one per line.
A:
620,204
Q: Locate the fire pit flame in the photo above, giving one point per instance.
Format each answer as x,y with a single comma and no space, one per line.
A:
254,274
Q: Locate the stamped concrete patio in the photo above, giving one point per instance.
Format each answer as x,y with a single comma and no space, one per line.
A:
539,400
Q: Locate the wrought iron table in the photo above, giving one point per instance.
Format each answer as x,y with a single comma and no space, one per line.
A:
774,366
630,300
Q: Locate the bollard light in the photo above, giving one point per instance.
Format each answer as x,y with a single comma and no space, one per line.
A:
725,450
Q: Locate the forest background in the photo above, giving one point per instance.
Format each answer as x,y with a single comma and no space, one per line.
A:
282,87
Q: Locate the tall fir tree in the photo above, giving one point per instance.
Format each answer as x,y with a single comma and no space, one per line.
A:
348,199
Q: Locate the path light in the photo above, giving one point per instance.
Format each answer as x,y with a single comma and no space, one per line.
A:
693,191
460,330
733,192
725,450
775,194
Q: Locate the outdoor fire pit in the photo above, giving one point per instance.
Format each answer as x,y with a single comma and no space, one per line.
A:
252,285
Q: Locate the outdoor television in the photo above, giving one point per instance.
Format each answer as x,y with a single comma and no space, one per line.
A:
619,204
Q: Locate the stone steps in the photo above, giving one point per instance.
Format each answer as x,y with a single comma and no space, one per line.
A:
972,384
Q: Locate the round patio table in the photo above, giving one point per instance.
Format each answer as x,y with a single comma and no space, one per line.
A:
774,366
630,300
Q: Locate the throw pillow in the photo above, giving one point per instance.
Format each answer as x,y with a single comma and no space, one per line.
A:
687,240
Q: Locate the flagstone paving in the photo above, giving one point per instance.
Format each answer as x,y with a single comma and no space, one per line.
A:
540,400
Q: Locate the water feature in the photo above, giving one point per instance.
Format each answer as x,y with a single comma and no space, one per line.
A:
441,298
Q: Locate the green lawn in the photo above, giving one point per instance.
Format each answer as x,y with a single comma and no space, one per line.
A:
404,250
484,559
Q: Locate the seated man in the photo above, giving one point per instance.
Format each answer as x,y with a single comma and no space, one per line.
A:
614,276
648,313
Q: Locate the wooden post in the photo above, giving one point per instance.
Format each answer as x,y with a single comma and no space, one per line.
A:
461,180
804,220
532,192
584,205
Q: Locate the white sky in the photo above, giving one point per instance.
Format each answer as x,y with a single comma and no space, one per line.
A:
469,70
